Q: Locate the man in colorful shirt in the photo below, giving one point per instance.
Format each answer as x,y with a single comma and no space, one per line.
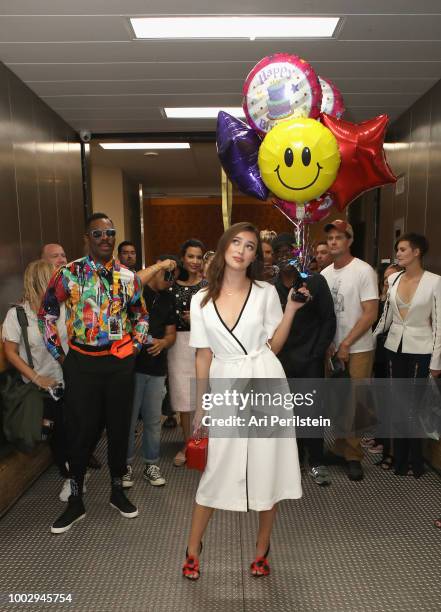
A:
107,324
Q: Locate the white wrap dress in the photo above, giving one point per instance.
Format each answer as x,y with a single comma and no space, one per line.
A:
245,473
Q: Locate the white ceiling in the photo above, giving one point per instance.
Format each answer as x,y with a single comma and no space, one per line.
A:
79,56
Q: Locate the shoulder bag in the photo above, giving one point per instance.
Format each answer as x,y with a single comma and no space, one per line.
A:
22,402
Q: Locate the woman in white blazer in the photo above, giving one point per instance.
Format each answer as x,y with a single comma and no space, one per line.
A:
413,321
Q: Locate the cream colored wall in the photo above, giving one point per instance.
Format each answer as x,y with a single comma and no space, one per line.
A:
108,196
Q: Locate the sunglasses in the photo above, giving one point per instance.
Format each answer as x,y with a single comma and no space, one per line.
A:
110,233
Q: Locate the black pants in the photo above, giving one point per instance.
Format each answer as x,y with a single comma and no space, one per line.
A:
53,410
381,370
314,446
408,451
99,390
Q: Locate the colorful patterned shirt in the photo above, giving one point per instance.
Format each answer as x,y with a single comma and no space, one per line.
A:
93,293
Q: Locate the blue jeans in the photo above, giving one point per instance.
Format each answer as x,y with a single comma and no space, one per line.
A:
149,393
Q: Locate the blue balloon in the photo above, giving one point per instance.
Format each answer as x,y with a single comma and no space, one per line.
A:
238,148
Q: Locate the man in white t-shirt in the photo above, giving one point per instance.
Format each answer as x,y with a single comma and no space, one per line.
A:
354,288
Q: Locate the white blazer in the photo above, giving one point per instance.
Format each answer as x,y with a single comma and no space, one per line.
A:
420,331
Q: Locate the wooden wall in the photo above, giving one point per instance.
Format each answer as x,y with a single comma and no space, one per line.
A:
168,222
41,197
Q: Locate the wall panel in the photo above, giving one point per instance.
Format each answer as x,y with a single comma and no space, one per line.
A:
416,154
418,165
10,251
25,170
41,184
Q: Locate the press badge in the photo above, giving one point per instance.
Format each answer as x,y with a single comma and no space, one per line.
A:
115,328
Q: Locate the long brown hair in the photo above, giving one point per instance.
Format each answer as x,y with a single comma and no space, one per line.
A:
215,275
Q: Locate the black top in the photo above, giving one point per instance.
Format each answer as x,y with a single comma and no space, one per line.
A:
160,306
313,328
182,297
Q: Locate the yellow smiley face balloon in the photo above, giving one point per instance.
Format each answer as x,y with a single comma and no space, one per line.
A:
299,160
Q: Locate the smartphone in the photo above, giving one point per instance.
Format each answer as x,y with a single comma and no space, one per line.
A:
56,392
297,284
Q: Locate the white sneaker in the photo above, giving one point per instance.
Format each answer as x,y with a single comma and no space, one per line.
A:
127,479
153,475
65,490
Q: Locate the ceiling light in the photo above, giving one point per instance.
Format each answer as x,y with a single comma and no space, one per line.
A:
144,145
234,27
207,112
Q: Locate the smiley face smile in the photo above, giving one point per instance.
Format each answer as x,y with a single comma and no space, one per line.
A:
299,160
319,167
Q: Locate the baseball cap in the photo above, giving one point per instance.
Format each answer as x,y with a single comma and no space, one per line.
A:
340,226
283,239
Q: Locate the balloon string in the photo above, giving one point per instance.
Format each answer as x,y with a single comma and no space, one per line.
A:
296,225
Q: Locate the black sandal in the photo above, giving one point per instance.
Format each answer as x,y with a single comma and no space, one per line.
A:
260,566
191,569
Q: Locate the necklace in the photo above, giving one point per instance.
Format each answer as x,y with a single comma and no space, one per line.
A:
230,293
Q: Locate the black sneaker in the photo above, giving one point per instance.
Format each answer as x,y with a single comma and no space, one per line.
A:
75,512
153,474
355,471
119,501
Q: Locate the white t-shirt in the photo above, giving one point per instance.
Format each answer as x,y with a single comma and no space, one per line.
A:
44,363
350,286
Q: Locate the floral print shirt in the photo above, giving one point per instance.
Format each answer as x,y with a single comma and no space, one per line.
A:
93,293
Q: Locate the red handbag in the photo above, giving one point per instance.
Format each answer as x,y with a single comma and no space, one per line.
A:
196,453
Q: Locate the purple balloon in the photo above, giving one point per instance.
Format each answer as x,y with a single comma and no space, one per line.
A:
238,147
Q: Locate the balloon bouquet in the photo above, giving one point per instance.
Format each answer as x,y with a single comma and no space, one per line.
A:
298,147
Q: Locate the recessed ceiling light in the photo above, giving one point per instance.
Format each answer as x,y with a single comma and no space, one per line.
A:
234,27
144,145
205,112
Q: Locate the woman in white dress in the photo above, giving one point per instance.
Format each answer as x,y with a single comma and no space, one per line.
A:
238,327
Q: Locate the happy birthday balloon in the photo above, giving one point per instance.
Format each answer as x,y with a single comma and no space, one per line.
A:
280,87
237,147
299,160
332,100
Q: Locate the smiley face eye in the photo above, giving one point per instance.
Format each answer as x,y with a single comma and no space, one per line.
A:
306,156
289,157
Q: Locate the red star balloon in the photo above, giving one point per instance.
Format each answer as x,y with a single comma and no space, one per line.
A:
363,163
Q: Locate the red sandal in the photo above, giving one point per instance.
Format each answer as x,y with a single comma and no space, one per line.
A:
260,566
190,569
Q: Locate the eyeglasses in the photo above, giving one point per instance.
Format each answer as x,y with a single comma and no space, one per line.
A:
110,233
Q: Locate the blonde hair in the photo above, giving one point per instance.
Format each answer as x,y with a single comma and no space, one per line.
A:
36,279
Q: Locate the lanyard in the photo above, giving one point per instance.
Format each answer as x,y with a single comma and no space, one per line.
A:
114,297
